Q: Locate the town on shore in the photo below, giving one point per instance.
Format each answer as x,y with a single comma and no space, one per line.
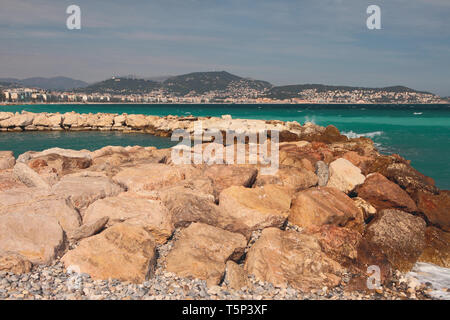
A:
202,87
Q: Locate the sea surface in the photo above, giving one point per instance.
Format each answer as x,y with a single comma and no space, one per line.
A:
420,133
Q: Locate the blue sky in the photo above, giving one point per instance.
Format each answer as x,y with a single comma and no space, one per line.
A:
283,41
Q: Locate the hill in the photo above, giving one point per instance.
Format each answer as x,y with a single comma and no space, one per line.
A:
203,82
122,86
55,83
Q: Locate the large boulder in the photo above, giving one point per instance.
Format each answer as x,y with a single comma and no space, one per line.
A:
84,190
344,175
7,160
188,205
295,178
151,176
249,209
435,207
288,258
15,263
29,177
235,276
384,194
151,215
18,120
37,238
62,161
397,235
50,206
202,251
225,176
437,247
320,206
48,120
122,252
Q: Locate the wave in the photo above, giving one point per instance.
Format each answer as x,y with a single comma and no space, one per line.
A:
350,134
439,278
418,113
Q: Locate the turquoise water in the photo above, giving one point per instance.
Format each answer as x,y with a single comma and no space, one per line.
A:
420,133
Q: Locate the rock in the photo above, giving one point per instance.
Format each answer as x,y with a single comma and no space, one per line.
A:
288,258
84,190
14,263
63,161
188,205
235,276
120,120
330,135
50,206
437,247
150,215
9,181
435,207
367,209
320,206
253,209
359,161
18,120
29,177
295,178
88,229
21,195
225,176
399,236
122,252
322,173
48,120
202,251
409,178
152,176
341,244
384,194
7,160
344,175
37,238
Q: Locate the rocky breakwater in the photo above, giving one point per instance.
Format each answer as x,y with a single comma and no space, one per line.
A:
126,222
160,126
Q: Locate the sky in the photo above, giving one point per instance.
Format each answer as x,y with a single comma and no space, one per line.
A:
282,41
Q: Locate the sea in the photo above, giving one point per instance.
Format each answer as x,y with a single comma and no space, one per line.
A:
420,133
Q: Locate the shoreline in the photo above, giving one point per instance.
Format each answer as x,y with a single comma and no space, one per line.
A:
259,103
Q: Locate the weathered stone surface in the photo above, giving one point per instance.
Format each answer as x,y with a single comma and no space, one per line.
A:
320,206
367,209
152,176
435,207
7,160
289,258
344,175
202,251
122,252
62,161
48,120
398,235
437,247
50,206
330,135
322,172
340,244
9,181
225,176
188,205
14,263
384,194
37,238
358,160
151,215
88,229
29,177
235,276
84,190
295,178
256,208
18,120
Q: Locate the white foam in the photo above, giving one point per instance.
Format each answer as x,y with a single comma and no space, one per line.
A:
439,278
350,134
